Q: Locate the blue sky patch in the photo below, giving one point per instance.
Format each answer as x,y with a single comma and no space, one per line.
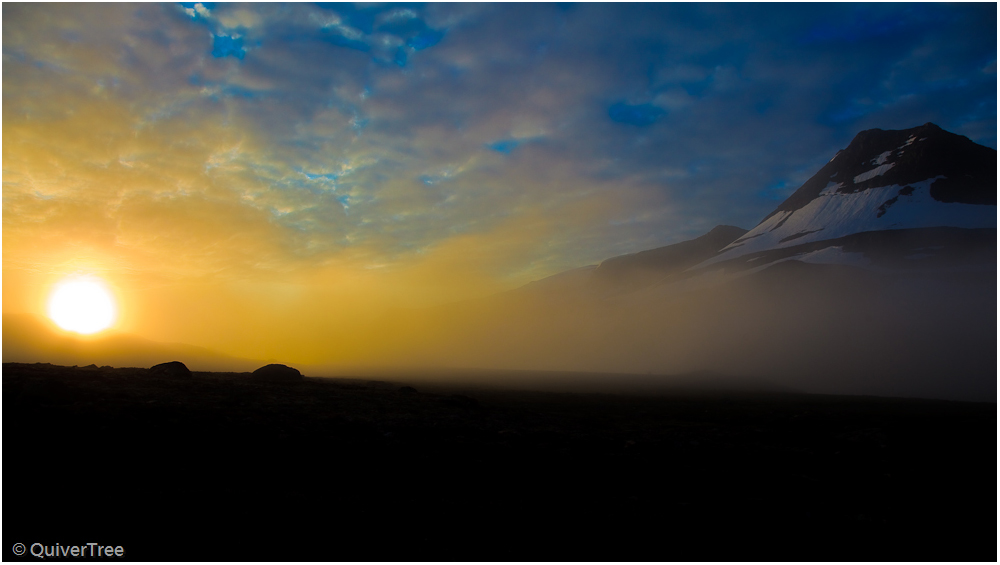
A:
777,191
225,46
874,21
426,39
635,114
851,112
504,146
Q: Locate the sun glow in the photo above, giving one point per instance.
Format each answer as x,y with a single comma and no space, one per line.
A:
82,305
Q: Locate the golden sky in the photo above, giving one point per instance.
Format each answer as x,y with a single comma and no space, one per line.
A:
266,180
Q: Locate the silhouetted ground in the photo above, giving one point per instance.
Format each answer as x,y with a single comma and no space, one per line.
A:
222,467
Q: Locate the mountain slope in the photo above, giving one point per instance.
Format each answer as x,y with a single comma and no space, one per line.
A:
637,270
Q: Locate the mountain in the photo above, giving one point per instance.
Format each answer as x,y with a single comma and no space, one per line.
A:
914,200
901,181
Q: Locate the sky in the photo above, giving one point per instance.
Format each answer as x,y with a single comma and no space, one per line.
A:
260,179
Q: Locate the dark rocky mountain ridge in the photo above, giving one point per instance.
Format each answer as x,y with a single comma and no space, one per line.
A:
912,179
968,170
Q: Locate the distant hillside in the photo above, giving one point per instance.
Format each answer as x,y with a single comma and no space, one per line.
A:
638,270
30,339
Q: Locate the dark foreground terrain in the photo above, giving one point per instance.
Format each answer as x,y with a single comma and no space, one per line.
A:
225,467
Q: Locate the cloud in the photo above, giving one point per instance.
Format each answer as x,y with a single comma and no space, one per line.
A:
674,99
196,9
239,19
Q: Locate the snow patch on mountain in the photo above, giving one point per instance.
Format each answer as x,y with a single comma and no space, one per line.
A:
881,159
876,172
831,187
832,215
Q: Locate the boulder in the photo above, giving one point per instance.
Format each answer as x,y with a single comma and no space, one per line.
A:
277,372
170,370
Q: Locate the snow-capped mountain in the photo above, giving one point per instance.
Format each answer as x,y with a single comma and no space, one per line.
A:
917,178
919,199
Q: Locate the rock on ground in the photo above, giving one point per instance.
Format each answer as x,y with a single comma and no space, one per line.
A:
171,369
278,372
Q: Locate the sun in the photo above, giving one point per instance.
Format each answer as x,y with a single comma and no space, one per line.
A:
82,304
